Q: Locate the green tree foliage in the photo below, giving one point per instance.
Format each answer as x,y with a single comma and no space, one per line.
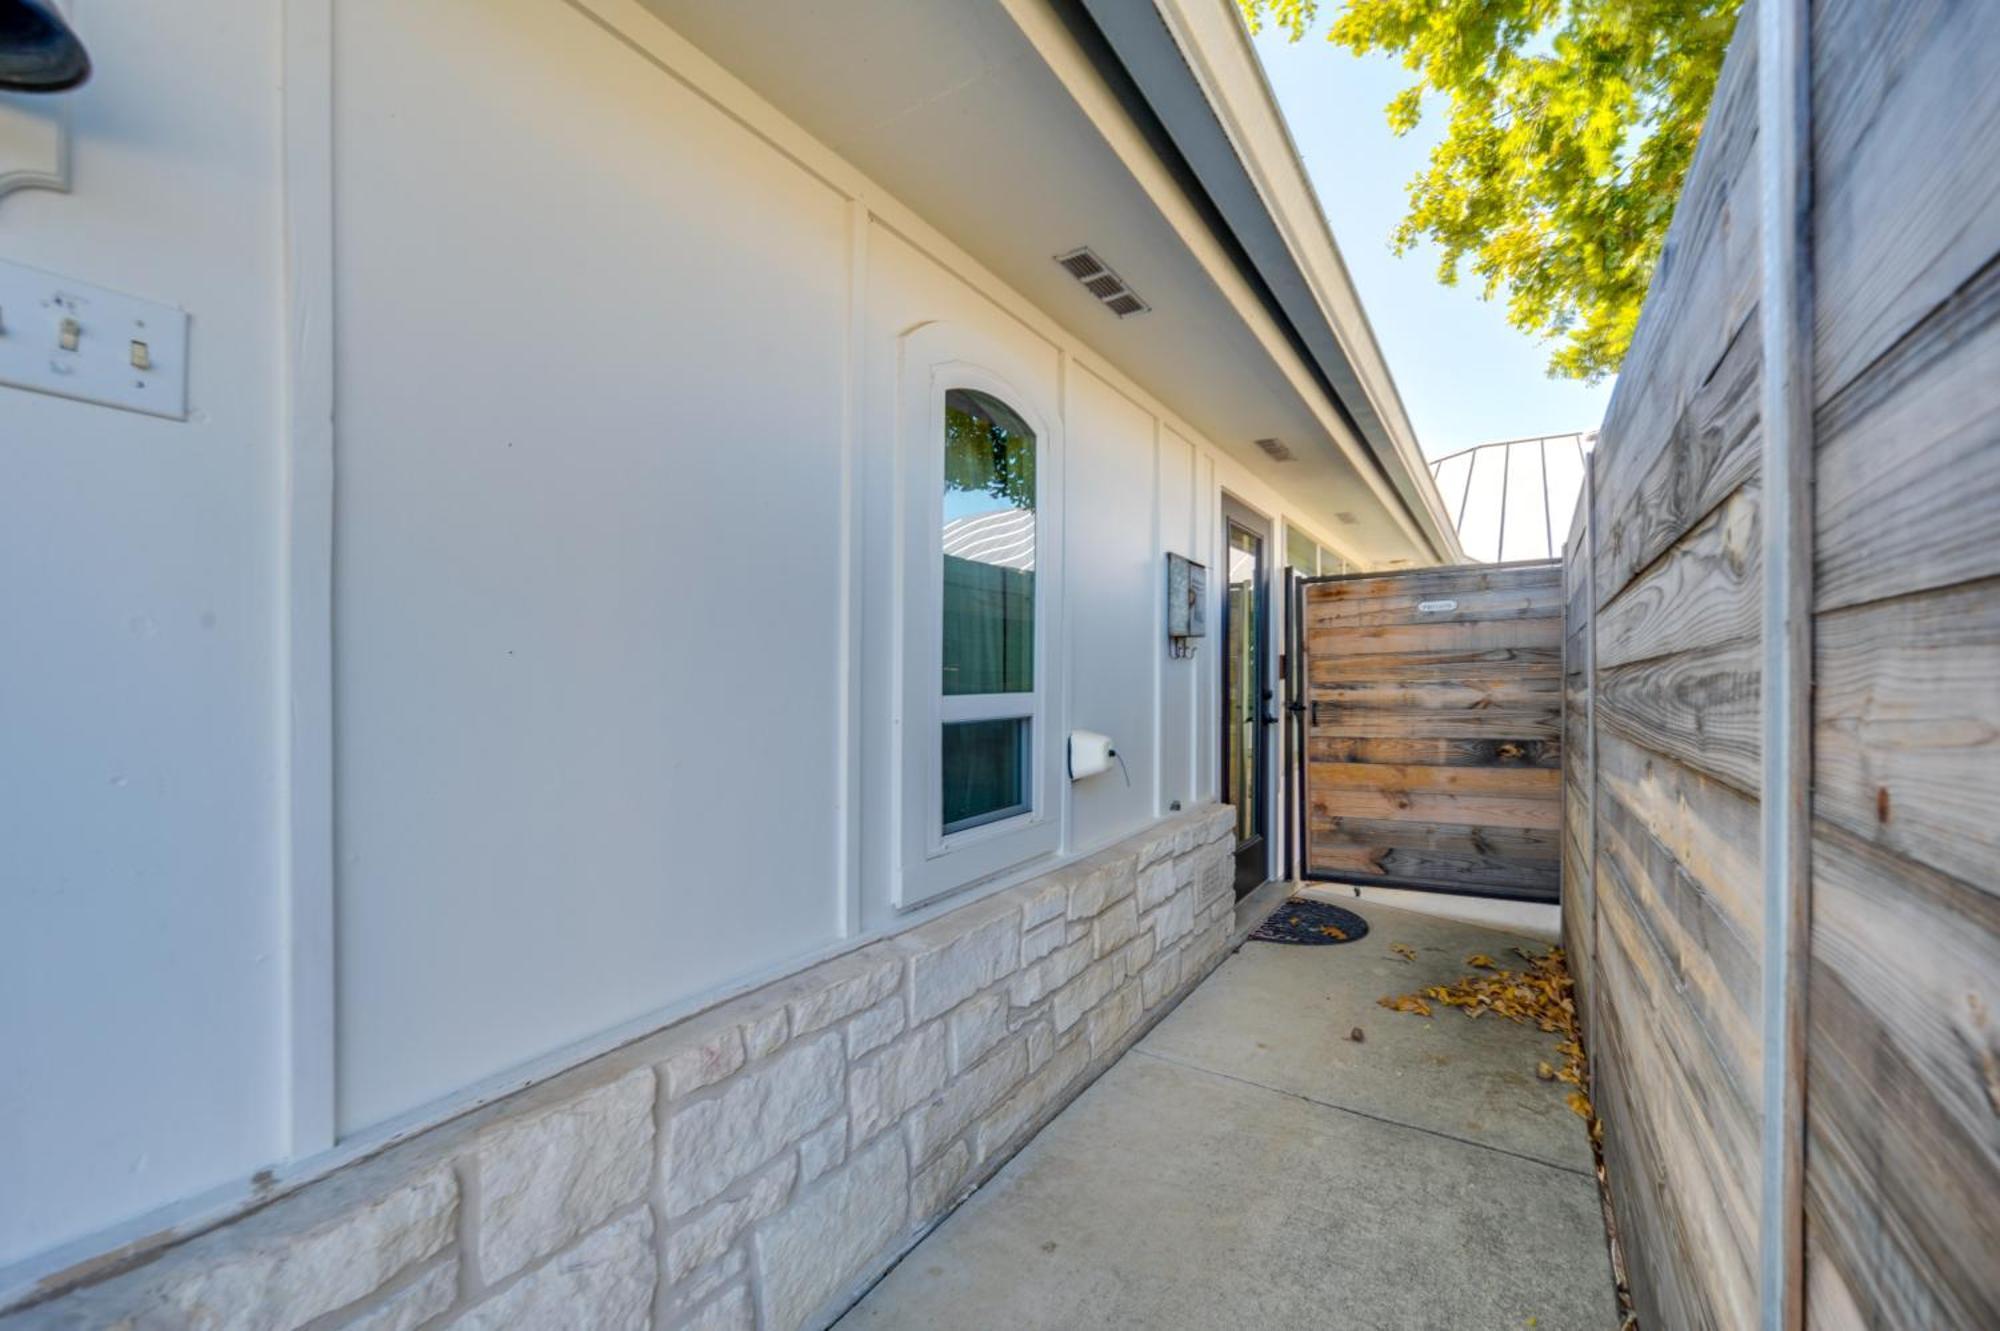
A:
1572,124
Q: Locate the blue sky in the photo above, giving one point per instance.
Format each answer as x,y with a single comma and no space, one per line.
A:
1467,377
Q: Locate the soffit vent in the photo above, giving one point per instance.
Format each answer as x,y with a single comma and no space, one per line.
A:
1098,279
1276,450
1348,518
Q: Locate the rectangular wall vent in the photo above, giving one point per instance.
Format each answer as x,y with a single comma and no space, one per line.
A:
1098,279
1275,449
1347,518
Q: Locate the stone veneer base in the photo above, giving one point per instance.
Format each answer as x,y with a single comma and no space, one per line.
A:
758,1165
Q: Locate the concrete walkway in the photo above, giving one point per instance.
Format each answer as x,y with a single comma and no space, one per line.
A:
1248,1165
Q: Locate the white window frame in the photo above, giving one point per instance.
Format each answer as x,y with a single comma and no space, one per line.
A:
932,863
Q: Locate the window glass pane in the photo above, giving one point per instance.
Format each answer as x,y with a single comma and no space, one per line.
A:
1302,553
989,547
985,771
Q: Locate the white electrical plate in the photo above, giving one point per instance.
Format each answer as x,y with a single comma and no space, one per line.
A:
81,341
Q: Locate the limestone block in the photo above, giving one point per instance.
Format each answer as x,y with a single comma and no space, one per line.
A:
764,1032
547,1178
976,1026
1174,920
1138,953
1041,1038
1155,844
414,1304
875,1027
936,1185
729,1312
708,1050
1111,1019
1156,883
277,1277
881,1089
1035,1096
712,1142
1041,940
1083,993
842,987
1099,881
705,1282
1217,823
708,1235
1160,979
832,1234
1050,973
933,1126
1045,899
605,1283
822,1149
950,964
1117,924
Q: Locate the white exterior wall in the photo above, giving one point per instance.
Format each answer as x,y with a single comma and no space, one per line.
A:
614,602
142,948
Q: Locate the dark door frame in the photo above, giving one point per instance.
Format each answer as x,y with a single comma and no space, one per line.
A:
1255,862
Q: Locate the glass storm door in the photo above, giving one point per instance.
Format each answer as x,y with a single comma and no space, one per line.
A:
1245,700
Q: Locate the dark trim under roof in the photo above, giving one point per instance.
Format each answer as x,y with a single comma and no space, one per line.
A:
1138,56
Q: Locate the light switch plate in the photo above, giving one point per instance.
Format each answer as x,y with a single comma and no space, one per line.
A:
107,366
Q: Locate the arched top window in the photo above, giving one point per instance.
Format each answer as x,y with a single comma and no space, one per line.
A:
987,740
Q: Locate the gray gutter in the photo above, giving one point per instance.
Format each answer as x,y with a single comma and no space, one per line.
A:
1138,56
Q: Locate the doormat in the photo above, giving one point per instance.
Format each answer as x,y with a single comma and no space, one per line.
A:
1313,923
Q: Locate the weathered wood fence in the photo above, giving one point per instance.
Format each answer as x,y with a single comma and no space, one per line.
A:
1665,888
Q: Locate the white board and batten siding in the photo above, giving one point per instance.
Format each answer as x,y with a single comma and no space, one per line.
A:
614,376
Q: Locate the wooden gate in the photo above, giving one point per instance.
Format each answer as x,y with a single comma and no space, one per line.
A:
1432,717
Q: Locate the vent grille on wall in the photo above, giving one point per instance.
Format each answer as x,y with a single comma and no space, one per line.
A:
1275,449
1101,282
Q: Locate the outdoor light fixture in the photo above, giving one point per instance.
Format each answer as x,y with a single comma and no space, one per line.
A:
38,51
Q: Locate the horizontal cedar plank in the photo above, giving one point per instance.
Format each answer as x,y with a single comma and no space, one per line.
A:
1711,830
1507,724
1468,578
1521,782
1701,1211
1906,187
1703,1076
1395,865
1434,807
1713,451
1902,1161
1330,665
1715,968
1467,607
1540,689
1699,708
1703,288
1507,634
1703,592
1906,727
1639,1203
1435,752
1906,490
1533,844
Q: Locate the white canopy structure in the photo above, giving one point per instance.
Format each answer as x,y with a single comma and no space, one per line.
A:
1512,499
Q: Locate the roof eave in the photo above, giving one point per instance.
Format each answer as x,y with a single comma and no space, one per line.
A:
1178,57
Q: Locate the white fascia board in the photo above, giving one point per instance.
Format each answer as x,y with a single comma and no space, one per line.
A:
1216,46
